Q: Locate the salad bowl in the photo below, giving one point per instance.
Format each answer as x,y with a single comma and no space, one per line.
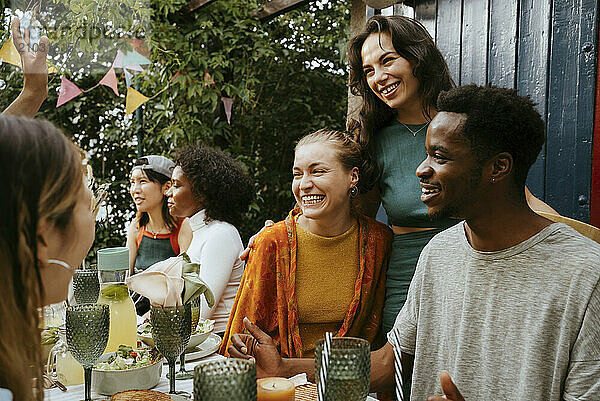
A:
122,375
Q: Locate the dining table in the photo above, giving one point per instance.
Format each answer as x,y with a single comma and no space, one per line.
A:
306,392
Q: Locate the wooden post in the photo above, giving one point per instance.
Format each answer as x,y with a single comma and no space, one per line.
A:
194,4
358,18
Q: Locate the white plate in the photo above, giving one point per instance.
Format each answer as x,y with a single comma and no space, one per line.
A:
208,347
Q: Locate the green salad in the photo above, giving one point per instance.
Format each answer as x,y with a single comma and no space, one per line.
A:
129,358
50,335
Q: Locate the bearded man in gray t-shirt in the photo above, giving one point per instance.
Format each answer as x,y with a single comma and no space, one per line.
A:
504,305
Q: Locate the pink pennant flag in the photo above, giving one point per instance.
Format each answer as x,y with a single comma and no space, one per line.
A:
227,103
110,80
68,91
118,63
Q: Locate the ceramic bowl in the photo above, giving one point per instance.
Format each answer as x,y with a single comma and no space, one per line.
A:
197,339
109,382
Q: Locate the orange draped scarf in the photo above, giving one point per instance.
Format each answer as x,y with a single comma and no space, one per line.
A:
267,292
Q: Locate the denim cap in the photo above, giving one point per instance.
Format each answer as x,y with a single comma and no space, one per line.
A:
159,164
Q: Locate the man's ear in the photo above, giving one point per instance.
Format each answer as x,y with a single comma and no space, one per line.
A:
500,167
166,186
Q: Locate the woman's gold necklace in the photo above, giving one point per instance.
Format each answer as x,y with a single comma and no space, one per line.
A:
414,132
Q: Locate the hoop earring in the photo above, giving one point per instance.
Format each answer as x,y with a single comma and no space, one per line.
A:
353,191
60,263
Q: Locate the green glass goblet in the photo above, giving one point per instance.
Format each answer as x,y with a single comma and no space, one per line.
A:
86,286
184,374
348,370
225,380
171,329
87,334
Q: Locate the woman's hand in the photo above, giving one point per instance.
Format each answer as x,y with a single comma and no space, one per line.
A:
35,73
259,346
246,252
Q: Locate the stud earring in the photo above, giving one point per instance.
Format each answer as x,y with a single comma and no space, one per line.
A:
353,191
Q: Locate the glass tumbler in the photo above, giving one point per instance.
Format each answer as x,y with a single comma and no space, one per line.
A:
225,380
86,286
349,369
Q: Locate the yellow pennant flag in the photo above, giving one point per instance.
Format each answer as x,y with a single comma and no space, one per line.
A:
9,54
134,100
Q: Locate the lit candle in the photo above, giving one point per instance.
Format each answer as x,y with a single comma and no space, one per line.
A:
275,389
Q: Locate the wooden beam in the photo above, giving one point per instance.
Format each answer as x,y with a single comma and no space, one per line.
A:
194,4
273,8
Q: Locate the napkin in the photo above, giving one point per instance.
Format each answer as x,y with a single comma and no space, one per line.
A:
194,286
164,282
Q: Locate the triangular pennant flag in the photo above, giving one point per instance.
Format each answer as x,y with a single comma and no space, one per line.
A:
110,80
68,91
134,100
9,53
227,103
118,62
135,67
140,46
128,77
134,58
51,68
208,79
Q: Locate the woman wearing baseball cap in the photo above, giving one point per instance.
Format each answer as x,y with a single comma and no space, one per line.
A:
153,234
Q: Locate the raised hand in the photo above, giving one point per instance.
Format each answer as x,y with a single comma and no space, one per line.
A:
449,388
259,346
246,252
35,72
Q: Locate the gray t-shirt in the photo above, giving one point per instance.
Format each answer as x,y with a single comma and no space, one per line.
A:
518,324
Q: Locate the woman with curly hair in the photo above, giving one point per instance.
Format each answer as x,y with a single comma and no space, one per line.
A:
47,230
213,190
320,270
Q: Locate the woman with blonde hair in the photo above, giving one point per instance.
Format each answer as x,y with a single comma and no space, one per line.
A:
47,229
322,269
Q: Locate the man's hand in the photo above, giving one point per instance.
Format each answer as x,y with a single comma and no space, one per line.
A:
449,388
35,73
258,346
246,252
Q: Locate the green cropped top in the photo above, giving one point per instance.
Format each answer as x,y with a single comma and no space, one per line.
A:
399,153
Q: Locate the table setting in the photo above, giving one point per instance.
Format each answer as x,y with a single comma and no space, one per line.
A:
174,334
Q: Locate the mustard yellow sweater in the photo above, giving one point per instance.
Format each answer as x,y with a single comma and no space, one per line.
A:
327,269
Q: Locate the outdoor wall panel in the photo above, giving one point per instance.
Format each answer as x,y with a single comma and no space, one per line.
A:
532,71
503,42
425,12
571,108
449,27
474,51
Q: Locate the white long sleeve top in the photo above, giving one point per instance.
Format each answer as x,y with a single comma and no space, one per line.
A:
216,246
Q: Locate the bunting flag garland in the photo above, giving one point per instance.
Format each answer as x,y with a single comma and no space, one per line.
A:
128,77
9,54
134,100
227,103
110,80
68,91
128,61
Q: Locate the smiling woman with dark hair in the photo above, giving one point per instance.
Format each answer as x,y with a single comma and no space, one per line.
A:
214,191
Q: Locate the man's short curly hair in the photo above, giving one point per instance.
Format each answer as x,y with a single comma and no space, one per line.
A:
218,182
498,120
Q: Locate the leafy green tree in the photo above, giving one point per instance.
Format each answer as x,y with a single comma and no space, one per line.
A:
286,76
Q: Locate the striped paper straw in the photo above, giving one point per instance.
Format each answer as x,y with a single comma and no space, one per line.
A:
324,363
397,365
